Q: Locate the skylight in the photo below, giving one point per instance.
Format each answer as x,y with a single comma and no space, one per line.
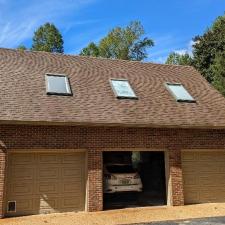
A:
57,85
122,89
179,92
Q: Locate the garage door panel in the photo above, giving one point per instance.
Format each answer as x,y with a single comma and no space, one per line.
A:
46,182
201,167
71,202
212,156
48,187
48,172
221,193
220,178
204,168
189,156
191,196
203,176
71,187
68,172
187,168
48,203
189,180
21,173
71,159
209,181
222,168
21,188
49,158
212,180
207,196
71,165
22,159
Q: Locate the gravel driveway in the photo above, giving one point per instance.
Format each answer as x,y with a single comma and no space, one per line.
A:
179,215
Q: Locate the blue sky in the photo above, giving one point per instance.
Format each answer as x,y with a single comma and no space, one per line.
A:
171,24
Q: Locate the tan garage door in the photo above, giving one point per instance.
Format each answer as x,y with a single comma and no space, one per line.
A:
45,182
203,176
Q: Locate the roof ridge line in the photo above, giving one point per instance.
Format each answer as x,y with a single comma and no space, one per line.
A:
93,57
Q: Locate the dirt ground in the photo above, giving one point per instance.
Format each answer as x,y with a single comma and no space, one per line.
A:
123,216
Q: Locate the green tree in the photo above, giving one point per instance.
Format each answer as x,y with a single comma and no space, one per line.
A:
207,46
90,50
22,47
218,72
122,43
179,59
48,38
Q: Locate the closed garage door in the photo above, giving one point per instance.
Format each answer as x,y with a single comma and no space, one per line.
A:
45,183
203,176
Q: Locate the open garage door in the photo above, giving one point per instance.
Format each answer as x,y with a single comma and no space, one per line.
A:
134,179
203,176
45,182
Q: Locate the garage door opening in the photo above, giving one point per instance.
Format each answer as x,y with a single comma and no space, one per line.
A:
134,179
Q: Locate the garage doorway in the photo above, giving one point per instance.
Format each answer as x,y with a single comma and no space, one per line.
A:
122,190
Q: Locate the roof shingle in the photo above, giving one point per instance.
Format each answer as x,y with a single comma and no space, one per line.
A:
23,95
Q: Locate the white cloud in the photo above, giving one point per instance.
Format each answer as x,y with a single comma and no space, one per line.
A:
166,44
20,18
161,59
160,52
181,51
187,50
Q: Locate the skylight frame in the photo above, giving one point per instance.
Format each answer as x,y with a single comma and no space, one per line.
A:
121,96
67,82
167,84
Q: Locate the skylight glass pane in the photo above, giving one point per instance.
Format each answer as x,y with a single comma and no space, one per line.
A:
123,89
58,84
180,93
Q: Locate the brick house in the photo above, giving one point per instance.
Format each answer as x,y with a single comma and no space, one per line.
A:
60,114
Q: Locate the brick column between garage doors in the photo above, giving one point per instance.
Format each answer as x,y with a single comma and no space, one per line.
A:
95,186
177,193
2,180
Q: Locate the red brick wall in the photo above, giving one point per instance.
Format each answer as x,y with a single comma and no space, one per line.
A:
95,196
98,139
175,172
2,179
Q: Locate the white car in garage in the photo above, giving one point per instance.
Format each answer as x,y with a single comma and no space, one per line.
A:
121,178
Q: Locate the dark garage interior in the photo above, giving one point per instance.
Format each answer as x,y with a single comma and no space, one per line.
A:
150,165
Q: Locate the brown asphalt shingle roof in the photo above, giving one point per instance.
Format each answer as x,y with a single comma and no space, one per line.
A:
23,93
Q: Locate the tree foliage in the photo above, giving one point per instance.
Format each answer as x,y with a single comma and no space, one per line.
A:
121,43
48,38
218,72
208,46
91,50
179,59
22,47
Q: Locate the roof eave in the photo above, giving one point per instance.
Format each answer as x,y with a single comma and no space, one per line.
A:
104,124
